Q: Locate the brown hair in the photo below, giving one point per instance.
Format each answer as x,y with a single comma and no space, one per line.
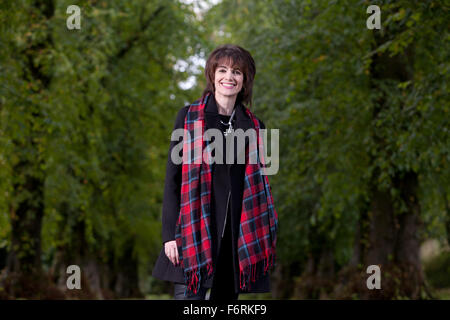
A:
240,58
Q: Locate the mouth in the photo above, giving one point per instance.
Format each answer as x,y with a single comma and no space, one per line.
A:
228,85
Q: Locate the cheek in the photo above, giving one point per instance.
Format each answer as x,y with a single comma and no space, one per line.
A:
241,82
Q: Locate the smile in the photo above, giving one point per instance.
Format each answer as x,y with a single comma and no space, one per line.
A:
227,85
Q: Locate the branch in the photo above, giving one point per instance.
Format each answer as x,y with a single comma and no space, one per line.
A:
132,41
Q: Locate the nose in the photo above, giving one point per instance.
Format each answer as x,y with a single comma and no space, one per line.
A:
229,75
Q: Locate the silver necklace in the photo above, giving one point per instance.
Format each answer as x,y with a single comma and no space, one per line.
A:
230,126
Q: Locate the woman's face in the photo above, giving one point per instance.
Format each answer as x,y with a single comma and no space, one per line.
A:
228,81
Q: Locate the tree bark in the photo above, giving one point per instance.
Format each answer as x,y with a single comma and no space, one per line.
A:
394,243
393,235
26,223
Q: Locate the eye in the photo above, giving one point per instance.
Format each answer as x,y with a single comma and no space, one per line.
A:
237,72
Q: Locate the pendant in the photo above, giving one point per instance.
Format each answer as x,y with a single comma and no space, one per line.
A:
228,131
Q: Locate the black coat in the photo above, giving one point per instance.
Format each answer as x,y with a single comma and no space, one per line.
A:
227,180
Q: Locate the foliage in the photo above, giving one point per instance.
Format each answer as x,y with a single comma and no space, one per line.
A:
90,113
313,83
98,117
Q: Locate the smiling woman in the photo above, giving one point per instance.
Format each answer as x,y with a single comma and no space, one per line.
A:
228,82
230,72
219,222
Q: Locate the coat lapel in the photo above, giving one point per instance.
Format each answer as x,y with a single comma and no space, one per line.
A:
211,113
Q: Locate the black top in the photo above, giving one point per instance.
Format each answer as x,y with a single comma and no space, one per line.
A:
221,190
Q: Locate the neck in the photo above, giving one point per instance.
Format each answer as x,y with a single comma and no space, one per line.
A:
225,104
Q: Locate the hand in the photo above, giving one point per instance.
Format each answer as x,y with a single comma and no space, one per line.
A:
171,250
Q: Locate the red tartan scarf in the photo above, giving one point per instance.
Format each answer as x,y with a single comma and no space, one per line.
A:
259,220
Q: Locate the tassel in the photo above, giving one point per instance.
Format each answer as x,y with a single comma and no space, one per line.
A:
240,279
193,280
252,269
253,273
199,282
209,267
265,264
248,278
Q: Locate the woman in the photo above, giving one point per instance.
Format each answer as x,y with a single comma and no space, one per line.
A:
211,240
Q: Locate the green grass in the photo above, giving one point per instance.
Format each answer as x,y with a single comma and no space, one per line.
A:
158,297
442,294
255,296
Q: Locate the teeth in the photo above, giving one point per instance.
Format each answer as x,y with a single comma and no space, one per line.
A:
228,84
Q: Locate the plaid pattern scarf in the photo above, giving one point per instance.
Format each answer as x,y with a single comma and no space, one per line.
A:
259,220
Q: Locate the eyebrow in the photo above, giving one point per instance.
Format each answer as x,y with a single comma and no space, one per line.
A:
222,66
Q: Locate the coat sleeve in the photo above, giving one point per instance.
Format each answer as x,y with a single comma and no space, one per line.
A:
263,126
172,187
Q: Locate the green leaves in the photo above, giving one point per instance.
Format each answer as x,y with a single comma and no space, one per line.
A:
315,83
100,126
95,124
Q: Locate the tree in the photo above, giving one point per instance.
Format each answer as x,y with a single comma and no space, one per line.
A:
87,114
355,109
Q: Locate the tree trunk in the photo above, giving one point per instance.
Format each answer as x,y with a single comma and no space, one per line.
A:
394,242
447,211
77,252
99,279
317,279
23,270
126,281
26,223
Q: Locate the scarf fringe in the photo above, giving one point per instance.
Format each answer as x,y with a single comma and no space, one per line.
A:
249,273
193,278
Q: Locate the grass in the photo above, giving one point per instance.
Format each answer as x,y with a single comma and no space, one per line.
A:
255,296
442,294
158,297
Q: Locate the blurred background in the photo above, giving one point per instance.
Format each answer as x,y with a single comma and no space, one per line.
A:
86,117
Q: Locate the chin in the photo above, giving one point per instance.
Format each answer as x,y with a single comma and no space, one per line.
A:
228,94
